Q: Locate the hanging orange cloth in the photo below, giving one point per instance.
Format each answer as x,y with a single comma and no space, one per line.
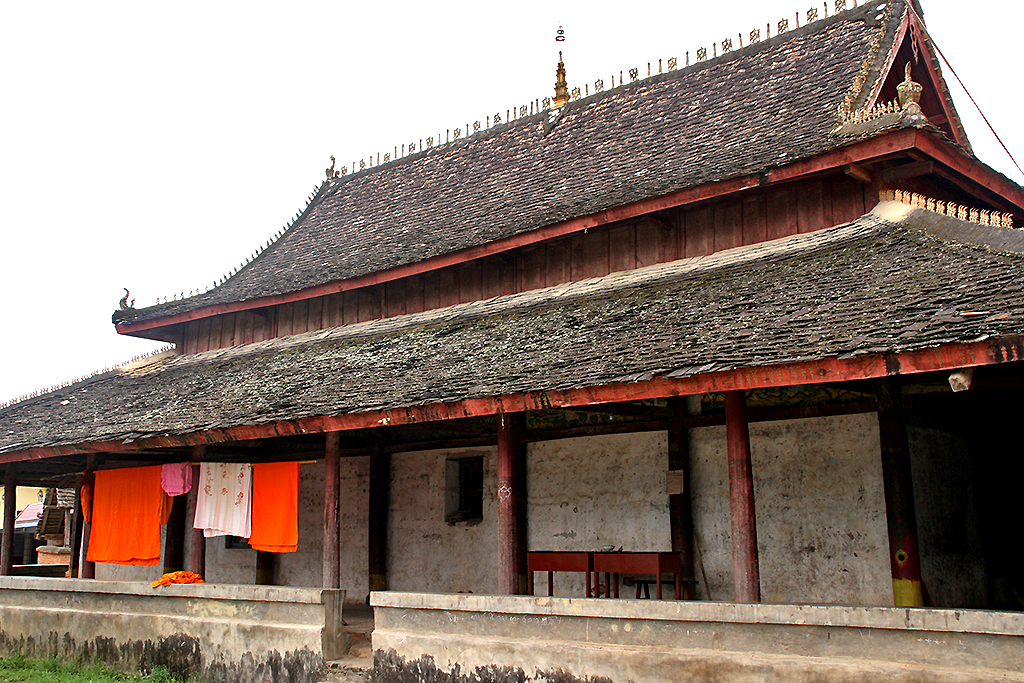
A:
275,507
128,508
87,502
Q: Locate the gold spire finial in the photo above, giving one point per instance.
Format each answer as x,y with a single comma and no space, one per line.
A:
561,87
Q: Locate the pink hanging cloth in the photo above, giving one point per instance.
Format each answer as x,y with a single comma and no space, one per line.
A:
176,478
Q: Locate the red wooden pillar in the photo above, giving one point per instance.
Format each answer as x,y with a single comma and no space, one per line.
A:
679,511
10,512
332,556
196,537
88,568
512,577
745,571
379,509
901,518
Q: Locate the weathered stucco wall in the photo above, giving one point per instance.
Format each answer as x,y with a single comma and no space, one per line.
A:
489,639
224,633
820,509
594,491
426,553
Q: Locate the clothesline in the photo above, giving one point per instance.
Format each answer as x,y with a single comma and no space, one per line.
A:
128,506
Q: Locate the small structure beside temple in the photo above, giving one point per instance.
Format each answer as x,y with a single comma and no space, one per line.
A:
745,333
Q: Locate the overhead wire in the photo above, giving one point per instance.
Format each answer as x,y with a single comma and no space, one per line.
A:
968,92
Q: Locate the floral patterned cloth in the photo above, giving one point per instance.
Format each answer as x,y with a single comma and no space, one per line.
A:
224,500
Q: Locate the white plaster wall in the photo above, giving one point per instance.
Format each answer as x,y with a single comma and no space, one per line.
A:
594,491
427,554
820,510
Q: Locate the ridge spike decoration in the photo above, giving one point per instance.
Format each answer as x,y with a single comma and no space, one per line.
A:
68,383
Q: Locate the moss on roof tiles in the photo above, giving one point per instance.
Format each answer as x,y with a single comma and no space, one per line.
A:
870,286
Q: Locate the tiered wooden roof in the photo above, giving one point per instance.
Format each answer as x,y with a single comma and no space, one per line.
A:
901,290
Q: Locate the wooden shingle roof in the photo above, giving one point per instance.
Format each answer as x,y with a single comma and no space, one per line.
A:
896,280
745,112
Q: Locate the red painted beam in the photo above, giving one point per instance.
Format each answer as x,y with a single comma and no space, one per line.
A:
951,357
883,145
968,166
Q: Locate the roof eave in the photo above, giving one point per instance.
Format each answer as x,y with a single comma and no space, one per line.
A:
949,357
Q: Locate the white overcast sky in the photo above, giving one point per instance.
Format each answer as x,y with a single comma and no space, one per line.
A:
154,145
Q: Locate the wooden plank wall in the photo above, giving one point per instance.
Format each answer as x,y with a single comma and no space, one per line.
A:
693,231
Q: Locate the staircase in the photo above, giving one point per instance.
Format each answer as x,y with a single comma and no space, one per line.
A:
357,665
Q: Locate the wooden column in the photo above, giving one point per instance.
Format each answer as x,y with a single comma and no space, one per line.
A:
174,539
332,556
379,509
512,578
196,538
679,510
745,571
265,563
10,512
88,569
904,557
75,569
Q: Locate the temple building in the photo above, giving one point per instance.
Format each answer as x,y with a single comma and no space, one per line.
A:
740,331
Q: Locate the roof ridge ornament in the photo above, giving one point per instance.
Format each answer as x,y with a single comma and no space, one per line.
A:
857,87
951,209
331,173
909,93
123,304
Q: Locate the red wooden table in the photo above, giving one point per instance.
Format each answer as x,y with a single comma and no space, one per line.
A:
558,561
637,563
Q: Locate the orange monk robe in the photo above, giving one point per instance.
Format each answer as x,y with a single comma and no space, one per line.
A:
128,508
275,507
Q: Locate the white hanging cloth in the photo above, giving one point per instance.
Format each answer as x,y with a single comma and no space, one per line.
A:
224,501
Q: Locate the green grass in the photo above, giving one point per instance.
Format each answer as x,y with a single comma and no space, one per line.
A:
23,670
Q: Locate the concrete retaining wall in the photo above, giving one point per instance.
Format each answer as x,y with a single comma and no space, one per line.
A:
462,638
211,632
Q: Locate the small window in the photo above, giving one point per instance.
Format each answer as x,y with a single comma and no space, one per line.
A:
464,490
